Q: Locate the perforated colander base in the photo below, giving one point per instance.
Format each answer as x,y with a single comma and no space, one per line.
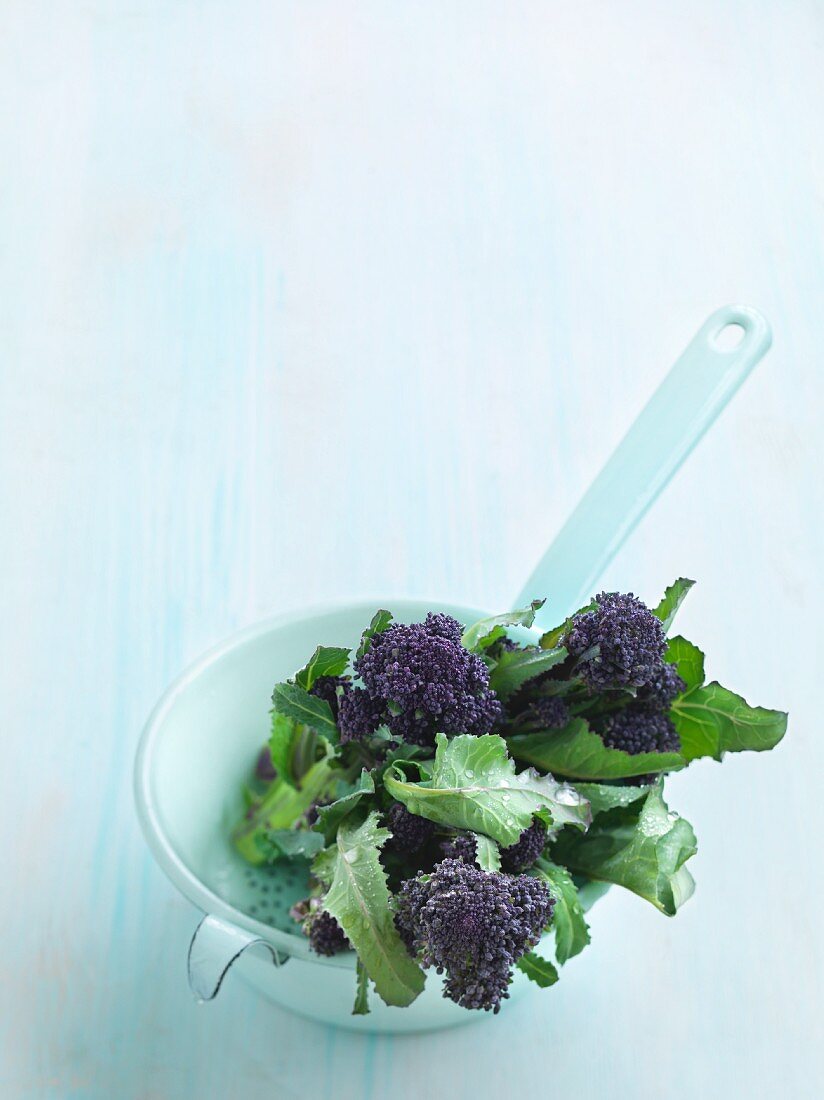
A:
265,893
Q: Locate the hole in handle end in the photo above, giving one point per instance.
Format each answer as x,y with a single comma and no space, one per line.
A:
738,329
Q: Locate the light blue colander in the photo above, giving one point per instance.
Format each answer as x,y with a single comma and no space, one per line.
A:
202,739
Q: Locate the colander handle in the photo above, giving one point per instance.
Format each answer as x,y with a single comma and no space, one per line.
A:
215,946
684,406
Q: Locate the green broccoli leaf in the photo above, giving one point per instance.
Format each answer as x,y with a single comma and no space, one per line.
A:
552,638
293,748
578,752
519,665
672,600
687,658
602,797
361,1007
712,720
325,661
473,786
280,807
286,733
571,929
483,633
538,969
295,702
403,755
487,853
380,621
330,817
278,844
359,900
643,850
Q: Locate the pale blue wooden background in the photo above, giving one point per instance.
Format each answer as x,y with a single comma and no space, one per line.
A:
299,301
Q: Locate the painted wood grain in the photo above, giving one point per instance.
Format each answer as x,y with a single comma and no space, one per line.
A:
307,301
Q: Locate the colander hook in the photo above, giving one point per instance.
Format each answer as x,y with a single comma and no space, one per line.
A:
215,946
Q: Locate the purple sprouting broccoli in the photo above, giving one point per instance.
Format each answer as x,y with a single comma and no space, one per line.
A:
663,689
551,711
444,626
409,831
325,687
518,857
637,729
461,846
423,680
332,689
644,725
264,768
359,715
326,937
522,854
473,925
630,642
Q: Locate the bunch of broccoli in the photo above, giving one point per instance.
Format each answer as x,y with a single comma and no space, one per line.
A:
418,680
403,759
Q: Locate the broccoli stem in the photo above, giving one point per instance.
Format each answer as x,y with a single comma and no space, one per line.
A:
304,753
279,808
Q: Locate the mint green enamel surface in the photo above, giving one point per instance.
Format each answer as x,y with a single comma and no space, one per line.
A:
685,405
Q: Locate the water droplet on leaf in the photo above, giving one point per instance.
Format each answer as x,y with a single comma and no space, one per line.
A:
568,796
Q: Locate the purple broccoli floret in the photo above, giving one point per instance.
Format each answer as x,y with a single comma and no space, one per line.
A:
359,715
663,689
332,689
522,854
409,831
444,626
551,711
472,925
637,729
326,937
518,857
264,768
629,638
462,846
425,681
